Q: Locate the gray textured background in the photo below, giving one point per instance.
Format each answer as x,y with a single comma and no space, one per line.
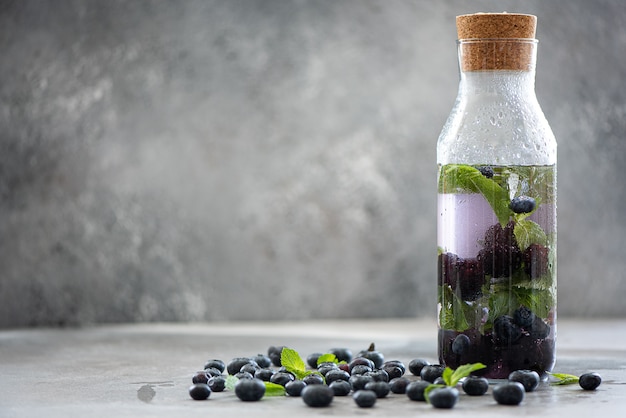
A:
217,160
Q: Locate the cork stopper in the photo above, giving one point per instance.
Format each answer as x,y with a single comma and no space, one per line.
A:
496,41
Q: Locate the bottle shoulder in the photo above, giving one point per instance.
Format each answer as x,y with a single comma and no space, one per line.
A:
496,129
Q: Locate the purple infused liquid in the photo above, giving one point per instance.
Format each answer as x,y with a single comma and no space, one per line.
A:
497,279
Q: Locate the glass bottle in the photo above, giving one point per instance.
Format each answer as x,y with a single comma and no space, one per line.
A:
496,232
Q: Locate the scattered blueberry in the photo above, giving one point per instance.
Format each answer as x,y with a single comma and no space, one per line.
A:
360,369
311,360
528,378
358,382
216,364
522,204
243,375
415,390
378,375
199,391
364,398
393,371
317,395
375,356
200,377
460,344
416,365
294,387
589,381
236,364
264,374
262,361
313,379
431,372
336,374
282,378
509,393
250,390
274,353
475,385
340,387
398,385
381,389
361,361
444,398
324,368
217,383
250,368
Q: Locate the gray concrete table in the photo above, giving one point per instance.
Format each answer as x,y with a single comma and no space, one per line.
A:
145,369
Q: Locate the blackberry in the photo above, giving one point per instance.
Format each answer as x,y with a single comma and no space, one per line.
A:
536,260
486,171
528,378
523,317
463,275
589,381
505,331
539,329
522,204
501,254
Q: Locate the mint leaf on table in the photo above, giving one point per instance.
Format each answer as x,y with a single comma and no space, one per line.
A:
292,362
562,379
468,178
452,377
274,389
231,381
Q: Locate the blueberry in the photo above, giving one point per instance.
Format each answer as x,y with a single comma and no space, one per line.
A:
250,368
212,371
398,385
264,374
431,372
262,361
282,378
509,393
378,375
475,385
358,382
376,357
216,364
589,381
364,398
523,317
294,387
342,354
522,204
505,331
360,369
250,390
393,371
200,377
274,353
444,398
415,390
324,368
199,391
313,379
528,378
361,361
486,171
243,375
311,360
439,381
336,374
317,395
340,387
217,383
381,389
395,363
460,344
416,365
236,364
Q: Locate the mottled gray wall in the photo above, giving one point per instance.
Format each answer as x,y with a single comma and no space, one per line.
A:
213,160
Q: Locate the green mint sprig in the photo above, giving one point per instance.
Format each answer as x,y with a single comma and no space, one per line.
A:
562,379
452,377
292,362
